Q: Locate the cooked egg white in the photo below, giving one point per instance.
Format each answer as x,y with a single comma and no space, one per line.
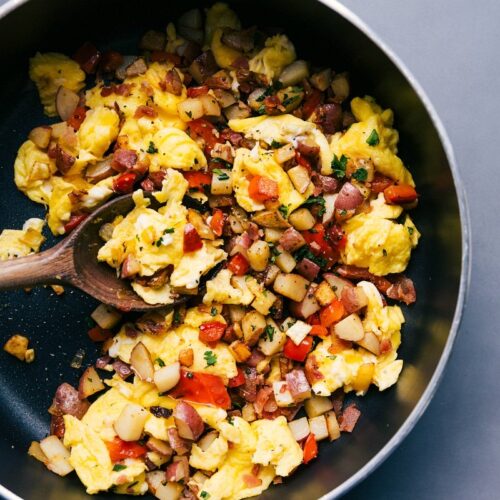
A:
384,154
21,242
50,71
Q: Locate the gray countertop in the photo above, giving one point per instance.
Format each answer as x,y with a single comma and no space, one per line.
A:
452,48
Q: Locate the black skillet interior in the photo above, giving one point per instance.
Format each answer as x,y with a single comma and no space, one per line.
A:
57,326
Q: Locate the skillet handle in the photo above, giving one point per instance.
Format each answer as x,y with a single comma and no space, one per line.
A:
50,267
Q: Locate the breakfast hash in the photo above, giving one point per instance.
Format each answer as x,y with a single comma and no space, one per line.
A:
265,194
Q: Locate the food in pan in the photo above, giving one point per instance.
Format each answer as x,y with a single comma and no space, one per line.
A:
266,194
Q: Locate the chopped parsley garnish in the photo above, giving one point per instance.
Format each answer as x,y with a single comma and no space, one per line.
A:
119,467
384,252
152,149
373,138
221,161
332,357
283,211
410,230
204,494
275,144
177,317
189,113
160,362
305,253
210,358
270,91
230,420
290,100
316,200
360,175
339,166
275,252
169,230
213,311
269,332
189,375
222,176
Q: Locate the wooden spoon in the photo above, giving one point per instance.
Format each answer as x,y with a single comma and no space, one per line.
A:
74,261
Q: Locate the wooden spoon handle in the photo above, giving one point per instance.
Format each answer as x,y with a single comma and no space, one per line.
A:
49,267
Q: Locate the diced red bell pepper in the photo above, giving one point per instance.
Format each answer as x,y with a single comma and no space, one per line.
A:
125,183
298,352
192,240
197,91
217,222
197,179
319,331
87,56
313,319
263,189
303,161
332,313
310,448
74,221
206,130
320,244
312,101
98,334
211,331
238,265
119,449
402,193
202,388
238,380
76,119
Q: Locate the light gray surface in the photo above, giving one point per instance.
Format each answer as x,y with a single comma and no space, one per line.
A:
452,47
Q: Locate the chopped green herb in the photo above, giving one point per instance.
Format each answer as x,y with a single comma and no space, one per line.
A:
269,332
160,362
316,200
270,91
275,144
283,211
339,166
230,420
213,311
189,375
410,230
290,100
225,163
169,230
204,494
332,357
210,358
119,467
343,212
189,113
384,252
222,176
305,253
152,149
373,138
360,175
177,317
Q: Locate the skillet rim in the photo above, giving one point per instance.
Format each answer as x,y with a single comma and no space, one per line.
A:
465,271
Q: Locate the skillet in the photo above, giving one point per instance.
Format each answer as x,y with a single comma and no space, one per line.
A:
324,33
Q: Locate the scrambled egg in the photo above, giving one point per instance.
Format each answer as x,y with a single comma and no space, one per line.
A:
210,459
285,129
268,443
98,131
377,242
32,171
21,242
272,59
168,346
224,55
353,142
49,72
341,369
261,162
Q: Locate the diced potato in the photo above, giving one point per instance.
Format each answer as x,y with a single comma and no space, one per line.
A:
270,218
285,261
282,394
285,153
272,235
222,182
198,478
57,455
308,305
317,405
302,219
140,360
370,342
299,428
210,105
298,331
130,423
318,427
300,178
156,458
336,283
287,323
292,286
106,316
41,136
202,228
294,73
271,272
205,441
264,301
248,413
253,325
90,383
333,425
35,451
340,86
167,377
363,378
190,109
169,491
159,446
240,351
274,340
324,294
236,313
329,207
350,328
258,255
17,345
322,79
154,479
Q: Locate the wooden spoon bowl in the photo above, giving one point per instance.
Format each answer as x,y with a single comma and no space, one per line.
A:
73,261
